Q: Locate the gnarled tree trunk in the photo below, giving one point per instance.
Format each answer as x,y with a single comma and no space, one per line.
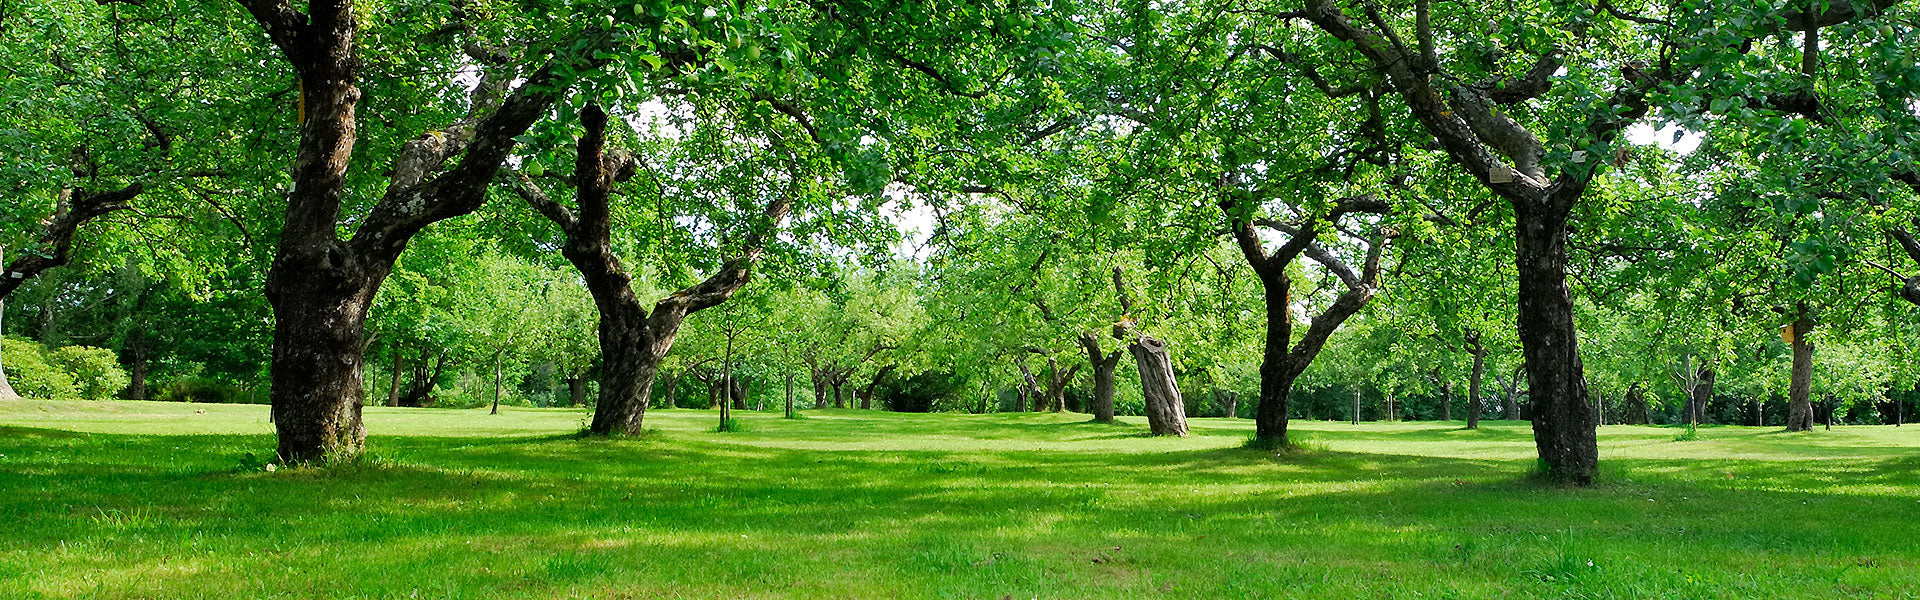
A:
1166,410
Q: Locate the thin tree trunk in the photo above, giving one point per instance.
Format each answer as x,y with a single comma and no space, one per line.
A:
1800,388
393,379
789,394
6,388
1356,405
1475,391
1166,410
498,358
1446,401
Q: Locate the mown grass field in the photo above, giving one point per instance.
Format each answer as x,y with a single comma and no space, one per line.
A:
150,500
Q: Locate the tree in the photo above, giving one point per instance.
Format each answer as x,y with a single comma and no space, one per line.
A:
633,340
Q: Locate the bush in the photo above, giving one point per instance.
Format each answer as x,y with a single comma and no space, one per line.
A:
32,375
96,371
70,373
199,390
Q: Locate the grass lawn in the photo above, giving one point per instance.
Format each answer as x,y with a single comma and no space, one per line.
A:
152,500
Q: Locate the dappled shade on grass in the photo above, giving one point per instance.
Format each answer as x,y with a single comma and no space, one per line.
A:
456,504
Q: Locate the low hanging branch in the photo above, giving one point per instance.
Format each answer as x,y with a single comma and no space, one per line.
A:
55,246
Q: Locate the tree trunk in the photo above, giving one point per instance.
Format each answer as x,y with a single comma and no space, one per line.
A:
1759,409
738,392
393,379
1057,382
1800,388
819,389
839,393
1446,401
1475,391
1563,422
789,394
498,358
1166,410
1636,405
632,341
1029,388
576,390
1702,394
866,395
1356,405
1104,365
6,388
320,309
137,365
1229,402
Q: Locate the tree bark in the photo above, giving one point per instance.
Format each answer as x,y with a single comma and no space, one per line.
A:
632,341
1104,365
1800,388
1057,382
1166,410
6,388
866,395
1282,360
576,390
1229,402
320,286
1564,422
393,379
498,358
1476,397
1702,393
1446,400
1029,388
137,365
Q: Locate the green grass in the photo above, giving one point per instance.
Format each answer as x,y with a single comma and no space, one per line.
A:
150,500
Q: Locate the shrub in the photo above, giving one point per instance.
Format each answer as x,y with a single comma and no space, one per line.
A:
199,390
96,371
32,375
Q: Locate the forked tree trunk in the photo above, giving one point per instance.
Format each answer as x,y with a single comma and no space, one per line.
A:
1229,403
1029,389
320,285
1166,410
1104,365
866,395
1057,382
632,341
1800,388
1702,394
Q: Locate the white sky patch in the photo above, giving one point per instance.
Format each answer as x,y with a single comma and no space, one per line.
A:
1642,134
914,221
